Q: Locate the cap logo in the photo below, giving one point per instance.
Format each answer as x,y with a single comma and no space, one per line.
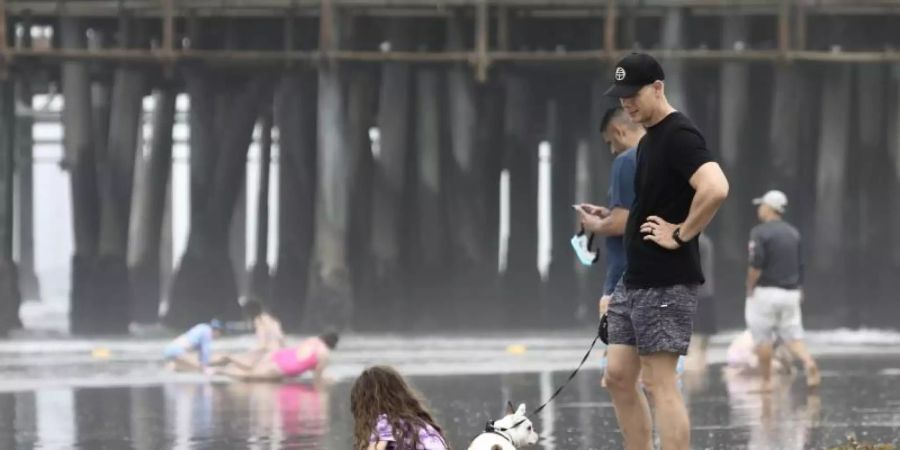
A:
620,74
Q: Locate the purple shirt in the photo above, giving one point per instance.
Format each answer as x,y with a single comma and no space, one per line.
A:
429,438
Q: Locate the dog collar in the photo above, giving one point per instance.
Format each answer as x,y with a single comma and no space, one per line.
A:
490,429
498,433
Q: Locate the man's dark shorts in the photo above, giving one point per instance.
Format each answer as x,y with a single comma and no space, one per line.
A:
654,319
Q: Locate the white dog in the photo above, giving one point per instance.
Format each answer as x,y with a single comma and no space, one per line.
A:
509,433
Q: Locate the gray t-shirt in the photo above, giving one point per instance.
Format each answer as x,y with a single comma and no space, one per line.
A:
775,249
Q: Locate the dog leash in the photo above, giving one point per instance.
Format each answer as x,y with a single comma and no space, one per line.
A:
490,425
571,375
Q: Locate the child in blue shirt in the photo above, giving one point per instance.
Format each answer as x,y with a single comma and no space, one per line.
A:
192,350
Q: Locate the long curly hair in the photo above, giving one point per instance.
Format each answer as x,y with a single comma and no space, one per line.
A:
381,390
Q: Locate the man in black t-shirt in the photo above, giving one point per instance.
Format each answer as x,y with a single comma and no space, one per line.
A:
678,188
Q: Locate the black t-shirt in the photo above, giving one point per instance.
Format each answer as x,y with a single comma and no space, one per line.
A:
667,157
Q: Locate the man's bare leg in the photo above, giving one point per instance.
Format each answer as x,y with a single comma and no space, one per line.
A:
672,421
632,410
696,357
783,360
764,353
645,383
798,348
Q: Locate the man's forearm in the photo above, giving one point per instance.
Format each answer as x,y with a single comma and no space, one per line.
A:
703,208
753,275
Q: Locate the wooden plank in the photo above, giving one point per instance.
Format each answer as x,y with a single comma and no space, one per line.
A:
503,29
3,44
244,58
609,28
784,30
800,29
481,40
411,8
327,39
168,26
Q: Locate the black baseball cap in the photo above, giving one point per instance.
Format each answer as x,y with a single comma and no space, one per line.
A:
634,72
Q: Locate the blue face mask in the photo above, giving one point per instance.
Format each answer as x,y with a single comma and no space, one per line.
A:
581,242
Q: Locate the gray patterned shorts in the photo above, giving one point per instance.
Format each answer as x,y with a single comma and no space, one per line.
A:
653,319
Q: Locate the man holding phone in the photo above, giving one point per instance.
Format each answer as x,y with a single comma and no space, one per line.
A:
622,135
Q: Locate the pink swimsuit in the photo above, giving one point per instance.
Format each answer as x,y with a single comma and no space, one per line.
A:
290,363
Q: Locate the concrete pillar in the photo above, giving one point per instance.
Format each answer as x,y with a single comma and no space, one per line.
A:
331,295
10,297
259,282
146,254
28,280
521,153
673,38
389,223
80,162
736,216
295,117
431,241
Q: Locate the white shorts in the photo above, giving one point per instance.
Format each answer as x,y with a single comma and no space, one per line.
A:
774,313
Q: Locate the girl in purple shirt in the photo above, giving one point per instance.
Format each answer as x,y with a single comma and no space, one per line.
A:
389,415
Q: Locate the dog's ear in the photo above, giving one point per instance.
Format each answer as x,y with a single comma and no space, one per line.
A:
521,410
509,408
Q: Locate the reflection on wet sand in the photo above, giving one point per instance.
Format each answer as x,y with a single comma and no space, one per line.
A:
249,415
727,412
782,418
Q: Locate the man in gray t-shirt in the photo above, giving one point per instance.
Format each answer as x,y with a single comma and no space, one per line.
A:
773,287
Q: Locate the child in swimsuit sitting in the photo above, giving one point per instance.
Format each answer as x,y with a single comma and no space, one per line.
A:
389,415
269,337
313,354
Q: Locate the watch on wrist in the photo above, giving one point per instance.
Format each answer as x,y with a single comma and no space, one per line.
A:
676,236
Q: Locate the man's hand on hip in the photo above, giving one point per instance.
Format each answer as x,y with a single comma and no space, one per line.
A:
661,232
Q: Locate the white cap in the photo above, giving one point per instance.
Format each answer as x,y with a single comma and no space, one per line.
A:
774,199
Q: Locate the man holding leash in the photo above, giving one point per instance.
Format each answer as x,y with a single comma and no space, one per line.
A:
679,188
